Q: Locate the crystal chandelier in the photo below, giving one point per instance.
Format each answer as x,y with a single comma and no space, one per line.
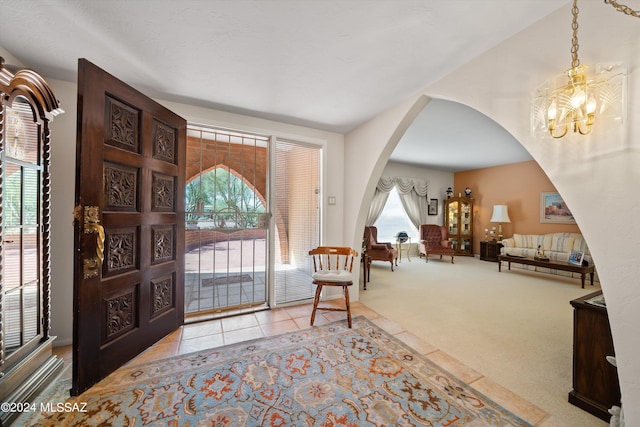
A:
574,100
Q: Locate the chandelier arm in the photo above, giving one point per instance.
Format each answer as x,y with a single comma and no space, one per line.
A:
552,129
579,125
623,8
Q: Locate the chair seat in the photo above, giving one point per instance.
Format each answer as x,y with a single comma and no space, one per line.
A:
339,276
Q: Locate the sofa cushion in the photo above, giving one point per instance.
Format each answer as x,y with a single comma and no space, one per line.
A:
580,245
532,241
562,242
518,240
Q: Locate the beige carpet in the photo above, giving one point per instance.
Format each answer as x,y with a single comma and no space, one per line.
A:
514,327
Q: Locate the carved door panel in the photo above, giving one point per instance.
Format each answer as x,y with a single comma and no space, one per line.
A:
129,233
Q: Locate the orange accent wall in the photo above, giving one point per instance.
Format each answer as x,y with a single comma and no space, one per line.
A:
518,186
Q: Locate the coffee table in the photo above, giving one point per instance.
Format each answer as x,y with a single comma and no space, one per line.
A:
583,270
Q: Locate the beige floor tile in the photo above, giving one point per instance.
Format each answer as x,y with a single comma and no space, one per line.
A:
245,334
200,343
390,327
270,316
160,350
173,336
416,343
276,328
303,322
334,316
454,366
239,322
509,400
363,310
296,311
551,422
195,330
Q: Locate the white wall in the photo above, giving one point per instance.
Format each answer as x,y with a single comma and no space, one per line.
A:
63,168
63,136
597,174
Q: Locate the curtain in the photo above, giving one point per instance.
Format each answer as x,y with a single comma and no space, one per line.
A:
413,195
384,187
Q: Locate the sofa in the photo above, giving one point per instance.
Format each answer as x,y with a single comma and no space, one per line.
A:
556,246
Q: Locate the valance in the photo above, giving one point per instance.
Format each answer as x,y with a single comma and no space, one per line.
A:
413,195
404,185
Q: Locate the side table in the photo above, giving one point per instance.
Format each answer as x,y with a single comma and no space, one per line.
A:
489,250
403,245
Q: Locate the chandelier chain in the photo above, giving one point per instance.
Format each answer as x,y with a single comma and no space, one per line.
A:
623,8
574,41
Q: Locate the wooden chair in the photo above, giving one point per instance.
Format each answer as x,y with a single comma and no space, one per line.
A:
332,266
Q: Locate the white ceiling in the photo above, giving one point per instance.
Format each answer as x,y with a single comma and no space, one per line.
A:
326,64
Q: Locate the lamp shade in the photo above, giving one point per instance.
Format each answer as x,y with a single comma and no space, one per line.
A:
500,214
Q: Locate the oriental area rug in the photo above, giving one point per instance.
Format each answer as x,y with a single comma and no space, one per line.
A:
327,375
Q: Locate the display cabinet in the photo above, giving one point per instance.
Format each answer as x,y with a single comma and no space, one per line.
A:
459,224
27,362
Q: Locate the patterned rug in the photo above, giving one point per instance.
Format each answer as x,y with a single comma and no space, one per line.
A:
326,376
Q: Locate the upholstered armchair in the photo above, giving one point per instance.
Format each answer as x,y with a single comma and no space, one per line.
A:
379,251
433,241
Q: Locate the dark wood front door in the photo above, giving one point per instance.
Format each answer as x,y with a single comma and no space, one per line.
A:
129,227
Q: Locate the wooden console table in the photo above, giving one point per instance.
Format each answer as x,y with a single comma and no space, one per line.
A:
583,270
595,381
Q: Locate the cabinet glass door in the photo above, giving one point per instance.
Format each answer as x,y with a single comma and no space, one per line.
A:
20,252
465,245
453,218
465,218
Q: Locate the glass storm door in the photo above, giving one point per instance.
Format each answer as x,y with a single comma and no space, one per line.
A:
226,221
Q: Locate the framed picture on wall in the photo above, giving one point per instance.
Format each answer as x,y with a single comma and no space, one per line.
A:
432,209
554,210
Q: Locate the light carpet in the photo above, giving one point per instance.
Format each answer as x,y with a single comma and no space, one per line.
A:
327,375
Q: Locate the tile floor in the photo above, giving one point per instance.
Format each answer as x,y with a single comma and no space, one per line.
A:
213,333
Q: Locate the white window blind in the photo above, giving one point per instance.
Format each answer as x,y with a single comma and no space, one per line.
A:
296,218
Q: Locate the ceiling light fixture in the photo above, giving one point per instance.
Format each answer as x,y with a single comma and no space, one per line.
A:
560,106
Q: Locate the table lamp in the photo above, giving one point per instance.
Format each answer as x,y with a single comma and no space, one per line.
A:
500,215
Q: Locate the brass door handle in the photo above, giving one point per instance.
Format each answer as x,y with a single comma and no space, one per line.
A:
91,218
97,228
